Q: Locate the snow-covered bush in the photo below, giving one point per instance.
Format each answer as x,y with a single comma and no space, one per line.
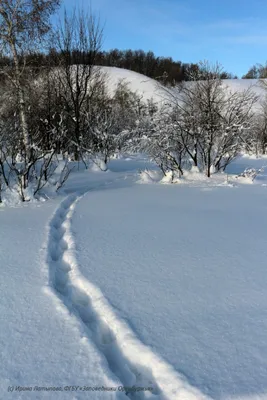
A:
149,176
205,125
250,173
214,122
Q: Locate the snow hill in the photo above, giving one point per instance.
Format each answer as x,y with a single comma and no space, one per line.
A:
143,85
150,88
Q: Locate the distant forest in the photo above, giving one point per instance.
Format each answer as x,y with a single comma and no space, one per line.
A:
258,71
163,69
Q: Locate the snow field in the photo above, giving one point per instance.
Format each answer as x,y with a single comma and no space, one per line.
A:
132,363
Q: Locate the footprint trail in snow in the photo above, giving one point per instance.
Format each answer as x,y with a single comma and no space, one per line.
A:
133,363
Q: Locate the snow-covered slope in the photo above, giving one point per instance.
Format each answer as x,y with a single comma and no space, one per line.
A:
143,85
150,88
242,84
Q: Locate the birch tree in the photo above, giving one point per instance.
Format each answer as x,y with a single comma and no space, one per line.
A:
23,23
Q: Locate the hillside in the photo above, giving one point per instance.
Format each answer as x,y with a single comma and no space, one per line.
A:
147,87
150,88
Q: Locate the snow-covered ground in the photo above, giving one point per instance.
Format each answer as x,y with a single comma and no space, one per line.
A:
117,284
41,343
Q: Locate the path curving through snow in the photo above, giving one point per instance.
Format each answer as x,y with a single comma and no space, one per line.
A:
131,362
186,268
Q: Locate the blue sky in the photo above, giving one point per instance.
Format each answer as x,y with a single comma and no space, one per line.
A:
232,32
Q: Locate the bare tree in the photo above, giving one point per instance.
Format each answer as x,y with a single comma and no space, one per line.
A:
202,123
78,40
213,122
22,24
257,141
28,106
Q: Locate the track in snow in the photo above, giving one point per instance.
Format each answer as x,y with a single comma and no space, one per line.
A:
131,362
